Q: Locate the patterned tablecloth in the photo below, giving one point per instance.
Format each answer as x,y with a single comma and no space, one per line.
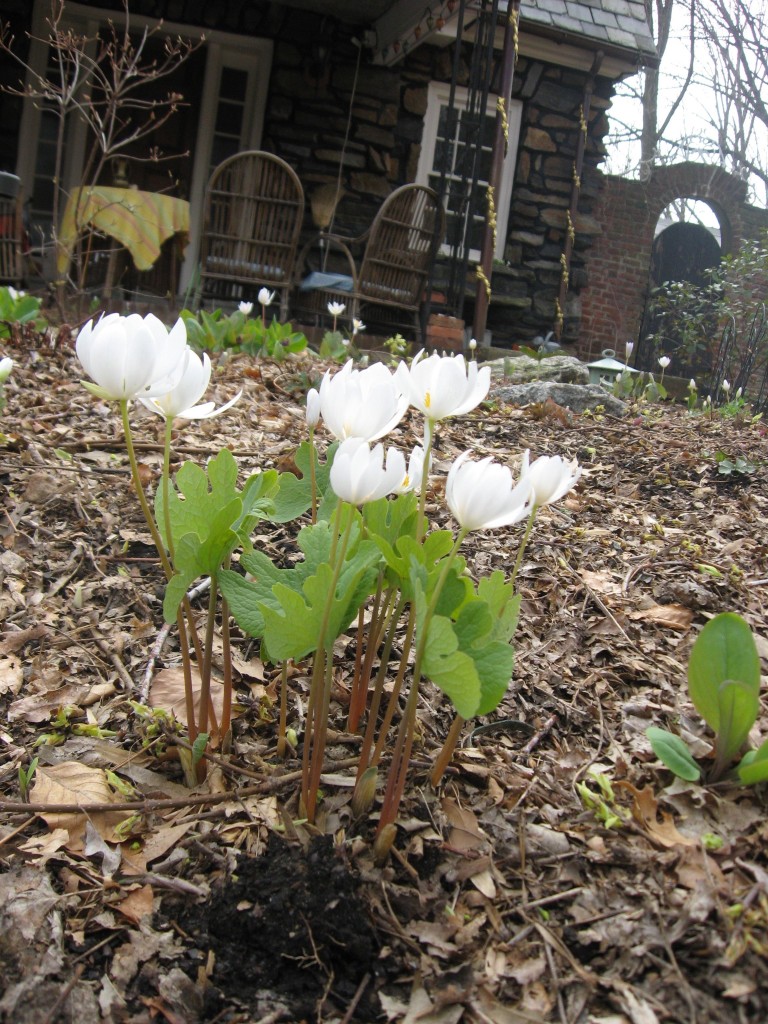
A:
140,221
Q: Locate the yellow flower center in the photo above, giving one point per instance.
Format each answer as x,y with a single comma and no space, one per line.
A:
427,400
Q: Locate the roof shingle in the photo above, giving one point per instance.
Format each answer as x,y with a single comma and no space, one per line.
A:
620,23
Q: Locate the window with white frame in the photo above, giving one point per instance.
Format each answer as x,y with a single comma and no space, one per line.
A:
446,145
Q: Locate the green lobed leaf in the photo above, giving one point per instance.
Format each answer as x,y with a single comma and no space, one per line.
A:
296,624
463,654
724,650
673,752
450,669
294,496
246,596
503,602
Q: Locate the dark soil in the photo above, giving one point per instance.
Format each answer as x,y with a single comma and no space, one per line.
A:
289,928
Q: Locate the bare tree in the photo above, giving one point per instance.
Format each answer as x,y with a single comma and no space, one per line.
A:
650,132
735,31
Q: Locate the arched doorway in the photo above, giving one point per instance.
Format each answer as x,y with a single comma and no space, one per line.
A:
683,257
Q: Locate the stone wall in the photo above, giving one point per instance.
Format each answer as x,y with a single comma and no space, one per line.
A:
619,265
308,113
308,125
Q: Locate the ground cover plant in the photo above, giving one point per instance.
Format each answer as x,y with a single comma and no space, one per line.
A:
556,871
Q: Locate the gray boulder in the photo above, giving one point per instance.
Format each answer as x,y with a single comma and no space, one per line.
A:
522,369
577,397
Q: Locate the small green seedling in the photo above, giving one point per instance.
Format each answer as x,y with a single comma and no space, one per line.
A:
737,466
603,801
25,778
724,684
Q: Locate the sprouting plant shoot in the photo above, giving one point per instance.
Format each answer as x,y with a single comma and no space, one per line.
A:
724,686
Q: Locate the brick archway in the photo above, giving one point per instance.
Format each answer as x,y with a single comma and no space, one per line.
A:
628,211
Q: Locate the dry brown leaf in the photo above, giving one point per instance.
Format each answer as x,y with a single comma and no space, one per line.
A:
497,1013
484,883
645,811
673,615
38,707
73,783
601,582
11,676
465,833
137,904
167,692
157,843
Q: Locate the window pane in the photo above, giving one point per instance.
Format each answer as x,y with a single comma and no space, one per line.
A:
229,118
234,83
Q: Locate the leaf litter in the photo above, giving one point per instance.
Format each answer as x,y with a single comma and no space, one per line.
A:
508,899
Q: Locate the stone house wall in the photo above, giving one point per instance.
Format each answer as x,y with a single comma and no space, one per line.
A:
308,113
619,266
308,127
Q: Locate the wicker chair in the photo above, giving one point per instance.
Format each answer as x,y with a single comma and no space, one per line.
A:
388,286
11,241
254,207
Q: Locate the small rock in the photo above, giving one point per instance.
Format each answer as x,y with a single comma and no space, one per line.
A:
522,369
577,397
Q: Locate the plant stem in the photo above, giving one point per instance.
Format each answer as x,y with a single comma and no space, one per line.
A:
281,740
402,753
523,543
397,687
313,472
447,749
322,672
226,708
167,485
378,689
364,665
150,519
205,675
421,522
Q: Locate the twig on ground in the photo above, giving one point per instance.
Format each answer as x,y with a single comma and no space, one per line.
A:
122,671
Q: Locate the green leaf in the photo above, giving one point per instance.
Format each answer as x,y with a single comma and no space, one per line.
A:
209,518
464,655
245,597
753,767
674,753
294,496
739,707
724,650
451,669
297,623
503,603
391,518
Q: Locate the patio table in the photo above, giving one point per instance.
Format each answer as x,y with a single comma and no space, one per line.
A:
140,221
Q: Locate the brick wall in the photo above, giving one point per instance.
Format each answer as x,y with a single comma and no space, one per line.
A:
614,300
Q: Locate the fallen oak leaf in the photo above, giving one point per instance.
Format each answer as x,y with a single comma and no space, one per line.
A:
645,811
73,783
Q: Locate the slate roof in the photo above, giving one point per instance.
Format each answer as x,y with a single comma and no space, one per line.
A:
612,23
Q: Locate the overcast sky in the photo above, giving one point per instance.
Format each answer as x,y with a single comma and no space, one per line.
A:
692,116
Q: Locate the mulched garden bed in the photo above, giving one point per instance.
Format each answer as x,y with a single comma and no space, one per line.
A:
508,899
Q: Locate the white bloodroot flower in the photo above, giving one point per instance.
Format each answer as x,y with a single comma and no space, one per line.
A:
483,495
550,477
443,386
359,473
361,403
180,400
131,356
